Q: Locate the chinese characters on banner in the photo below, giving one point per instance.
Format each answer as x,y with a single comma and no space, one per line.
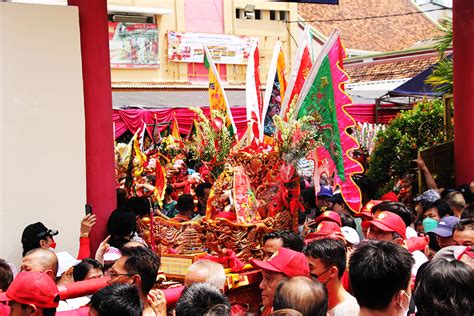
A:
133,45
225,49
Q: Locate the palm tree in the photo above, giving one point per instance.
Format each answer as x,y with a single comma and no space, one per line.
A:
442,76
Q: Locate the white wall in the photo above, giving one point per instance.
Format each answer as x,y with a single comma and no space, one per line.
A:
42,141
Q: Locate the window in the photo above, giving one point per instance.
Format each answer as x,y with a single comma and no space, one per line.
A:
258,14
237,13
272,15
278,15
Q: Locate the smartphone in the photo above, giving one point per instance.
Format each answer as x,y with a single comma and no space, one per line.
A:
413,165
88,208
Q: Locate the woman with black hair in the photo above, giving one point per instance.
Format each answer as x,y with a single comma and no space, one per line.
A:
445,288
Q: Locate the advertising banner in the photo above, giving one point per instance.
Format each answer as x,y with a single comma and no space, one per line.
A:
225,49
133,45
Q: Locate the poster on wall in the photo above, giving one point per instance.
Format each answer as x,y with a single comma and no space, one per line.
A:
133,45
225,49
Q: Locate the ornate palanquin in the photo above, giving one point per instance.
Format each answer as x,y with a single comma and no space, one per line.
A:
264,207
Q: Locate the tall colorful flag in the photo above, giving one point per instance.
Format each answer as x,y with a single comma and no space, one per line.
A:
131,156
140,157
192,131
217,97
141,138
299,73
160,183
274,91
175,128
254,102
156,131
323,95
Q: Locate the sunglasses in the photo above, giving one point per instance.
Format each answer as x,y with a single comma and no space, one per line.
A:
47,233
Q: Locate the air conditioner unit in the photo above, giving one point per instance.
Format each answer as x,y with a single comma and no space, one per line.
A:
249,11
130,18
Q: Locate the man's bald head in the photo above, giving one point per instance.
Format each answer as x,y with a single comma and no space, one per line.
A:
302,294
41,260
206,271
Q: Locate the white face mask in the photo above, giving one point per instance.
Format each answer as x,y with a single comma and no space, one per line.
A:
405,311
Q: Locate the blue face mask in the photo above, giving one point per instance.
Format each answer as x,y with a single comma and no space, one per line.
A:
429,224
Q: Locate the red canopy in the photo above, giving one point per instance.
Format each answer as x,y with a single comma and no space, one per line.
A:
132,119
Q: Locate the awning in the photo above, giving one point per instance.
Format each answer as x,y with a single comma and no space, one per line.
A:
416,86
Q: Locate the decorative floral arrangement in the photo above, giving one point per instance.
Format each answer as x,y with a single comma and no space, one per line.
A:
171,147
297,138
212,141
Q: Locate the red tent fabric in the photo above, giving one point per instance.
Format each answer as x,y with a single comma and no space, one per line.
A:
132,119
366,113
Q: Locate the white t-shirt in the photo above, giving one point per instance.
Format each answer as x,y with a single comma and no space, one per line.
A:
420,258
411,232
348,307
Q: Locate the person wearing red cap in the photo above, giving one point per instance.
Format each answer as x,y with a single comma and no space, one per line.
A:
329,216
389,196
389,226
325,229
386,226
284,264
33,293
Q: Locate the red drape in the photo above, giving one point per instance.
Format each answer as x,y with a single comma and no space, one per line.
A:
366,113
132,119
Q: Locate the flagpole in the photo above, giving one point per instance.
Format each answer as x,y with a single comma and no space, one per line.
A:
294,72
270,81
218,78
314,70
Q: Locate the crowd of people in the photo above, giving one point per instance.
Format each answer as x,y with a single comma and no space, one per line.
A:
392,258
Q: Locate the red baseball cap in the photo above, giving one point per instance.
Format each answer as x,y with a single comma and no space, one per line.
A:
35,288
329,216
390,196
325,229
289,262
388,222
367,209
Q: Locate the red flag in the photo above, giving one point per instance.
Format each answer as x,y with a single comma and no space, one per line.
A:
299,72
160,183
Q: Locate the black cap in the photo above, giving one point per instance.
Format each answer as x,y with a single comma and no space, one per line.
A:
33,233
185,203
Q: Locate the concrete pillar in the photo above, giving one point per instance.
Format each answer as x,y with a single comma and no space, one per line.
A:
98,112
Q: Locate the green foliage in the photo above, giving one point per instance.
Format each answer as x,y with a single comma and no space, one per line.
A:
445,40
442,76
413,130
211,144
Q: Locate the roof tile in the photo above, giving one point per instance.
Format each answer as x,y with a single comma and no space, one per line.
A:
380,34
